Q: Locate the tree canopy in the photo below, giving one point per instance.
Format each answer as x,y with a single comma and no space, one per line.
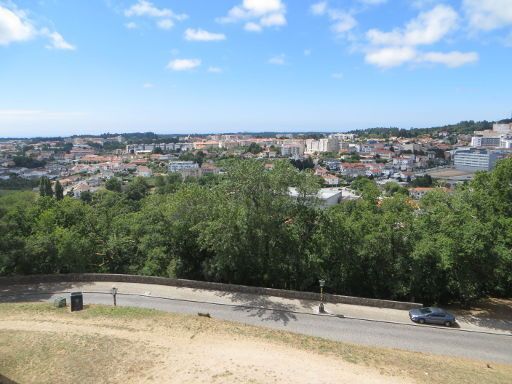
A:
244,228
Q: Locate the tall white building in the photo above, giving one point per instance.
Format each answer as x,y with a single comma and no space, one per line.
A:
322,145
506,142
177,166
475,159
485,141
292,150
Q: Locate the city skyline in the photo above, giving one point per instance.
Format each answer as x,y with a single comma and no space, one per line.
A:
250,65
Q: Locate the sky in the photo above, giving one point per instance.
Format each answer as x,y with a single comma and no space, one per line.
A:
199,66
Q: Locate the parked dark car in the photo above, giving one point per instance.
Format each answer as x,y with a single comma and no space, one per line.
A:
432,315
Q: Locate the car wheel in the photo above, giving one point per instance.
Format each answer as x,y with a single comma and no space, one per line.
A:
448,323
421,321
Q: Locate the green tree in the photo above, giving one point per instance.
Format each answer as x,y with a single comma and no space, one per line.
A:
114,184
254,148
422,181
137,189
59,190
45,187
367,188
86,196
391,188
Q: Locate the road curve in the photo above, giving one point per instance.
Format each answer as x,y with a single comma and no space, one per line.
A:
441,341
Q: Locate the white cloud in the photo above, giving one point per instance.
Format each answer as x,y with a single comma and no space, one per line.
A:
400,46
165,17
183,64
307,52
451,59
428,28
273,20
342,21
262,7
14,27
319,9
488,14
202,35
131,25
165,24
337,76
257,14
57,41
253,27
148,85
214,70
278,60
146,8
391,56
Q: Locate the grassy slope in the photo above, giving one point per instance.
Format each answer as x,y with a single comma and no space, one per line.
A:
30,355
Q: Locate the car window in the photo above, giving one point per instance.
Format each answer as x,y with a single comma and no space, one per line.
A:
425,311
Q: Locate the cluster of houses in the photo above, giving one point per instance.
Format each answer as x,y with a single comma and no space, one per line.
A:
81,164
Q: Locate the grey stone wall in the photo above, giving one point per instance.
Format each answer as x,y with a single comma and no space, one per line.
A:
92,277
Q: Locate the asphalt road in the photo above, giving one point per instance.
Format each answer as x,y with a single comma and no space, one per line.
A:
436,340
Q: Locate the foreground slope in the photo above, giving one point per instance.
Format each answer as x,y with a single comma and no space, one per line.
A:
42,344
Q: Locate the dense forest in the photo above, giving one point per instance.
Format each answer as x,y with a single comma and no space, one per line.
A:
244,228
464,128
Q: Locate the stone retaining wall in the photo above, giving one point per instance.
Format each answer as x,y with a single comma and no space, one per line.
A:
92,277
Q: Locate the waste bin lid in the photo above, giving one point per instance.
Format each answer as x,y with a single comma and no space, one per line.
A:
76,294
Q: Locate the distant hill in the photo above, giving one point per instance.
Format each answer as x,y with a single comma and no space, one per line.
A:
464,127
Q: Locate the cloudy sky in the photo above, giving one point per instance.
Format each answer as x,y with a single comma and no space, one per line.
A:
175,66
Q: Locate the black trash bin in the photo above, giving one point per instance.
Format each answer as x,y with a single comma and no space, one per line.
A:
77,301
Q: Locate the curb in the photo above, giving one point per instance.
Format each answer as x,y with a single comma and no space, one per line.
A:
331,315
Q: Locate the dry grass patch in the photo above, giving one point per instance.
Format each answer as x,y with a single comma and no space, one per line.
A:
138,345
41,357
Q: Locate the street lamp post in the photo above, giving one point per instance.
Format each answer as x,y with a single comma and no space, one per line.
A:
321,308
114,295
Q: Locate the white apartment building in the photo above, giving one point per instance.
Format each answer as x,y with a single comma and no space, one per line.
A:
490,139
404,163
292,150
322,145
485,141
177,166
148,148
475,159
343,136
506,142
413,147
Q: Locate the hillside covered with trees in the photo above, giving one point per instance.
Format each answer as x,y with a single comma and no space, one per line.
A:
244,228
464,128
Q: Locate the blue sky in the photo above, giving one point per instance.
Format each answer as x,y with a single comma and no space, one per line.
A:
177,66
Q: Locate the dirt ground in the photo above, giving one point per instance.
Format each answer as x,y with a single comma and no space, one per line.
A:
101,345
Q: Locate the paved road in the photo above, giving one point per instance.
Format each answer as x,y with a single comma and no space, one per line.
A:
442,341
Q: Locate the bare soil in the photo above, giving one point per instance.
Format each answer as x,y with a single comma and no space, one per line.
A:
41,344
